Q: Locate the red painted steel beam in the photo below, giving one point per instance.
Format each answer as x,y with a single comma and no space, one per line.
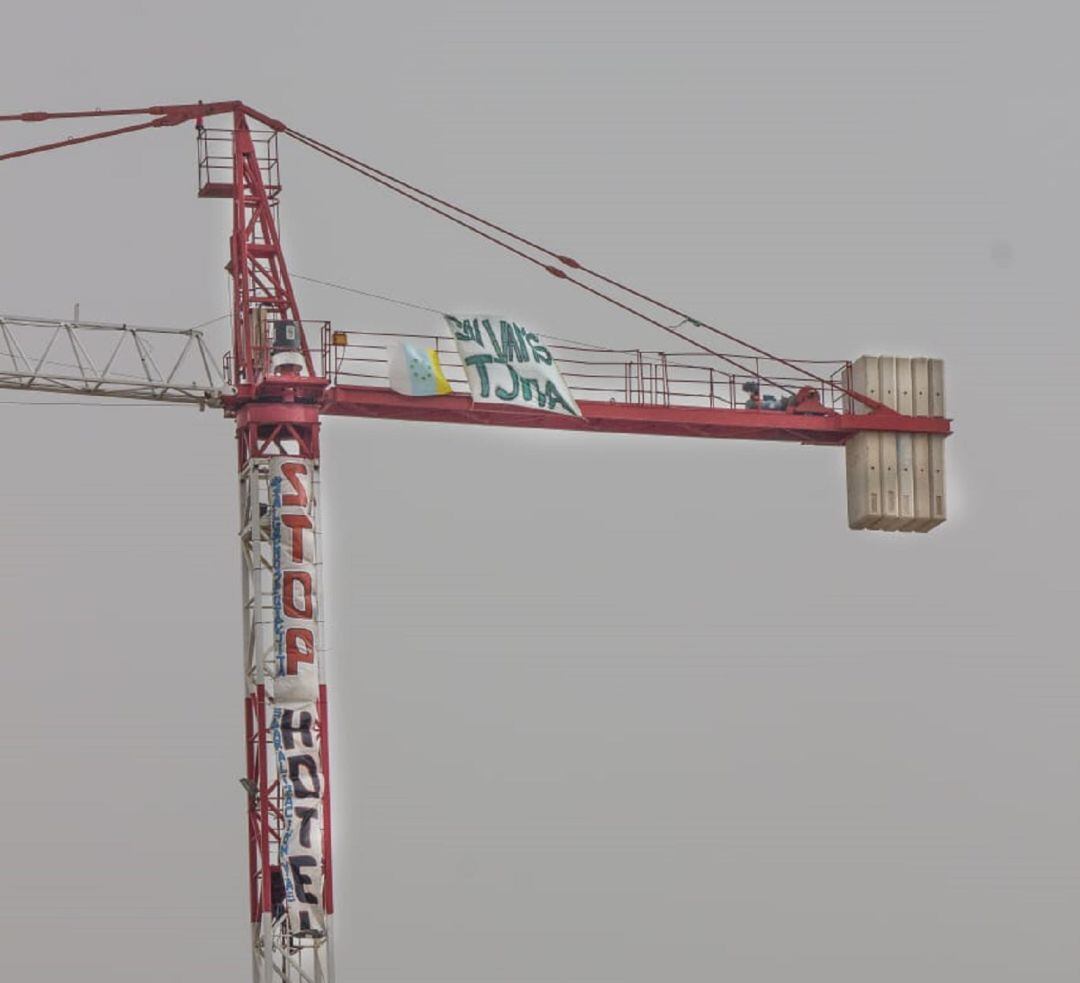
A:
169,115
163,116
672,421
177,112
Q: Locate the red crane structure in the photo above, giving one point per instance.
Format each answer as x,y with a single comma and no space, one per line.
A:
283,374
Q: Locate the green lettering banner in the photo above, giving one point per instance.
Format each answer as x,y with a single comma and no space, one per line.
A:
508,364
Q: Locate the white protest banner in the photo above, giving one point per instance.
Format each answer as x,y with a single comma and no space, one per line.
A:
294,726
508,364
293,539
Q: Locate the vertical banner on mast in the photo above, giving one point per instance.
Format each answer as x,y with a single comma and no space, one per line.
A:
294,725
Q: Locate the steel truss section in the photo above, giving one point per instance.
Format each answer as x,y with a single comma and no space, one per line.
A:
277,954
260,278
89,358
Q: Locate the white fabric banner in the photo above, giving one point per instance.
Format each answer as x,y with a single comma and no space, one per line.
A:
294,726
508,364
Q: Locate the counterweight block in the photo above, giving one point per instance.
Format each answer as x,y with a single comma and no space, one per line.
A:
896,481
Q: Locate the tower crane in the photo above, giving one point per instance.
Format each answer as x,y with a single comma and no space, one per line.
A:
283,373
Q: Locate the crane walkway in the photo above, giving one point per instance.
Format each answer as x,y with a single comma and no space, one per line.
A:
679,393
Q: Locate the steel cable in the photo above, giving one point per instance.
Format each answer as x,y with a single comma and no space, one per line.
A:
411,191
388,182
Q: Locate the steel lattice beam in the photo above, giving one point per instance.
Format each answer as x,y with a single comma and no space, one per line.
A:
90,358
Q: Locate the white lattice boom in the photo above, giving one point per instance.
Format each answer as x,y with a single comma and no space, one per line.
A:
92,358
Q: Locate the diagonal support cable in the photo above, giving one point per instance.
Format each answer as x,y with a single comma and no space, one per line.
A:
444,208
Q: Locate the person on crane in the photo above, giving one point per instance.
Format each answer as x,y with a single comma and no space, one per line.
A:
756,401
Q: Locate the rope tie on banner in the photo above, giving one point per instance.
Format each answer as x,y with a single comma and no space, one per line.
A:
367,293
415,305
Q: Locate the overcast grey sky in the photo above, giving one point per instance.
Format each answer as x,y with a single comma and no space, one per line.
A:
685,725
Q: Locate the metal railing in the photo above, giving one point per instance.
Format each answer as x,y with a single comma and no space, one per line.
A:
215,164
628,375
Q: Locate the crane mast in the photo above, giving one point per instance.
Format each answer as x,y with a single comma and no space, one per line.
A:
273,393
274,397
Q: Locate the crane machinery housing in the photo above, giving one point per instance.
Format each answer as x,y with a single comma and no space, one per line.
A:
283,373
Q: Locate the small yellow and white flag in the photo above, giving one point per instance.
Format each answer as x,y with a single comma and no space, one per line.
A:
415,371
